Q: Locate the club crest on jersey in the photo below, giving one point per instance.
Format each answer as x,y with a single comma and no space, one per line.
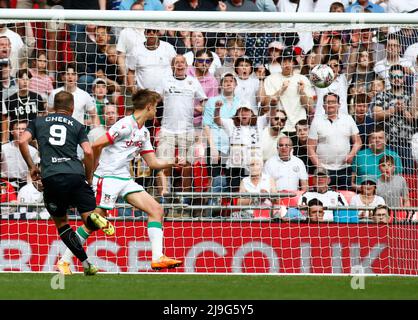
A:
106,198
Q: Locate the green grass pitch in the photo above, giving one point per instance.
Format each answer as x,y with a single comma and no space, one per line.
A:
30,286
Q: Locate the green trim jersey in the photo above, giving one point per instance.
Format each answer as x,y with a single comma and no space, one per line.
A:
128,140
58,136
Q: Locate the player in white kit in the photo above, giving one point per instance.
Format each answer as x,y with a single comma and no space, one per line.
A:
113,153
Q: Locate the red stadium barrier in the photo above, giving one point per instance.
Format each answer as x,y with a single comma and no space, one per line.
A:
225,247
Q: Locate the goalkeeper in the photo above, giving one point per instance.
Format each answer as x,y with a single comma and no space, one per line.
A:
124,140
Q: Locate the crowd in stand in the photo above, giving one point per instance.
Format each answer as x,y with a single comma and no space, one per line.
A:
239,110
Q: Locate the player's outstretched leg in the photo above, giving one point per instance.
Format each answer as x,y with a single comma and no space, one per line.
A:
145,202
71,240
64,267
102,223
90,269
165,263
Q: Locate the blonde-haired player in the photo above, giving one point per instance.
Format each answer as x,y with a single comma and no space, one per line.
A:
113,153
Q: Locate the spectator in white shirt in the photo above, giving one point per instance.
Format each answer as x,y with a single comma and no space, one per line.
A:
247,82
32,193
13,166
179,92
321,191
294,91
149,63
333,142
288,171
83,103
393,57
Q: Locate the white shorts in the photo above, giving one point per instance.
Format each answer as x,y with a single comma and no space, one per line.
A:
108,189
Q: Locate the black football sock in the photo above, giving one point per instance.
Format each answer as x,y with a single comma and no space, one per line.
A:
71,240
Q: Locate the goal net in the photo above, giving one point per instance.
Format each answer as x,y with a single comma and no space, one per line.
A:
286,167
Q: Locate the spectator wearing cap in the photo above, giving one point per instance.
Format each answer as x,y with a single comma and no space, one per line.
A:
366,161
367,196
293,91
321,191
199,42
217,138
361,6
288,171
241,5
333,142
244,131
275,49
247,82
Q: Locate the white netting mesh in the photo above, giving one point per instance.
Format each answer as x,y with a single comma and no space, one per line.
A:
239,97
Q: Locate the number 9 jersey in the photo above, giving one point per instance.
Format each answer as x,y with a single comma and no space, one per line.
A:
58,136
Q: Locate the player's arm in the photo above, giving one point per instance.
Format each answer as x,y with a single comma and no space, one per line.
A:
97,147
158,164
24,140
88,160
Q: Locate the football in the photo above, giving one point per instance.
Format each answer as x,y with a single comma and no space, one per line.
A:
321,76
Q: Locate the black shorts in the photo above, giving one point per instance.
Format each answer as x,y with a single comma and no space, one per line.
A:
62,191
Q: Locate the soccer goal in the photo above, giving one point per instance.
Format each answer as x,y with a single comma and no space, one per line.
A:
297,135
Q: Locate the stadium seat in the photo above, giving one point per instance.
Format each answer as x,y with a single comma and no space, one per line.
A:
310,180
291,201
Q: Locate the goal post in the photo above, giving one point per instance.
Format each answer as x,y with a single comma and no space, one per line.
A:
222,215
